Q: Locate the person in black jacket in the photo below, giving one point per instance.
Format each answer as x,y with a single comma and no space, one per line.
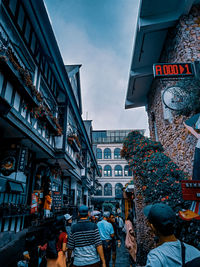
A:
115,239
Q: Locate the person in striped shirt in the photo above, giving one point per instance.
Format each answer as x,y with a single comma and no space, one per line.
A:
85,242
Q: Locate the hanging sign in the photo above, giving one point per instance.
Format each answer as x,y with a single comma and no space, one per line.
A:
172,70
34,203
57,200
22,159
191,190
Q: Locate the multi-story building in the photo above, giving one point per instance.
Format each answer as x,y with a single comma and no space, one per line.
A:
115,172
165,33
44,143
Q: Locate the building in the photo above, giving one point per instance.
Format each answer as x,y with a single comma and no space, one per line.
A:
44,143
166,32
115,172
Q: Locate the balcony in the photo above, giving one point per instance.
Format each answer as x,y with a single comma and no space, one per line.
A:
74,142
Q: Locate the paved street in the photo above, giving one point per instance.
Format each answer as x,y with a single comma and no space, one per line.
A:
122,257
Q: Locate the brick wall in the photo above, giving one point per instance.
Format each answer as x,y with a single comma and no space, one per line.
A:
182,45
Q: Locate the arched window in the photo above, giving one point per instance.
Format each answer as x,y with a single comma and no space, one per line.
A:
99,153
100,169
118,170
99,190
107,190
107,153
127,171
118,190
117,153
107,170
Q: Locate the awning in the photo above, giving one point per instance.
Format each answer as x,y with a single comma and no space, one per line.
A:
15,187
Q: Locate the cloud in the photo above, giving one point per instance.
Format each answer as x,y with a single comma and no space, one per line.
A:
104,73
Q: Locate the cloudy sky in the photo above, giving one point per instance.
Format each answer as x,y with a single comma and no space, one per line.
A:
99,35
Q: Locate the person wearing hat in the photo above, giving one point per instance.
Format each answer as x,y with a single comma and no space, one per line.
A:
25,261
170,251
85,242
107,233
68,222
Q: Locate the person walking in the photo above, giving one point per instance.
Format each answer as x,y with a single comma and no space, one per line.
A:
57,246
130,241
120,223
107,233
68,223
170,251
116,239
85,242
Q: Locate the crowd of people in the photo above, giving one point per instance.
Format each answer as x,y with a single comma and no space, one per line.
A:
93,240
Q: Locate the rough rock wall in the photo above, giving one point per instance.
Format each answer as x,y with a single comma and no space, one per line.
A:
182,45
145,241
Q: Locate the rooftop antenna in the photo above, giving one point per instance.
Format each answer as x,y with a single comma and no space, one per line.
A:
86,115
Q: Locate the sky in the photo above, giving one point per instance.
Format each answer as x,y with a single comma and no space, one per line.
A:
99,35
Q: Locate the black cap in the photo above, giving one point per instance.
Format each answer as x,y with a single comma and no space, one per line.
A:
160,215
83,210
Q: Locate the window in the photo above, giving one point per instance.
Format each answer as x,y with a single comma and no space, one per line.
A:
99,191
107,170
118,190
107,153
33,42
127,171
12,5
100,169
118,170
99,153
21,17
27,31
117,153
107,190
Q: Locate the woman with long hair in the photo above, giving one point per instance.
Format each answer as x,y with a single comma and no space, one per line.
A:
58,236
130,241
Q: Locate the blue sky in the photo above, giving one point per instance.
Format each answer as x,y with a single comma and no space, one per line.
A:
99,35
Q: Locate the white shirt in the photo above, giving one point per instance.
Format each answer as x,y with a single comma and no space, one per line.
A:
169,255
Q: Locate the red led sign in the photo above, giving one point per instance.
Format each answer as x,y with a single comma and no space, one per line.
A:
173,70
191,189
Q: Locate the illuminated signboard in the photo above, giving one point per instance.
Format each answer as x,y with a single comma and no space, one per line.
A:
191,189
167,70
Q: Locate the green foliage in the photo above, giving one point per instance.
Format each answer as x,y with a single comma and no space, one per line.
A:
159,178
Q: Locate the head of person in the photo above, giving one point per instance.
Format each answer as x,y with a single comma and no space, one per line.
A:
106,215
112,217
130,218
68,218
161,218
83,211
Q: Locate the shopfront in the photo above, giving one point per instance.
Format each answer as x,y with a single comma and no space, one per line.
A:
13,185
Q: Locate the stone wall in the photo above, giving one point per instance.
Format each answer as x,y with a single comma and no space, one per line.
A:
145,240
182,45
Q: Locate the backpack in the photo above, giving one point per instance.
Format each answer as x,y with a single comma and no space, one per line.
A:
193,263
51,251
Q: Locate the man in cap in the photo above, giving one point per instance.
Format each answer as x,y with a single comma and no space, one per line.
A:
85,241
107,233
170,251
68,223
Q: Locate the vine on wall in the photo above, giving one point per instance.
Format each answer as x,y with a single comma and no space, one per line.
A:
159,180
